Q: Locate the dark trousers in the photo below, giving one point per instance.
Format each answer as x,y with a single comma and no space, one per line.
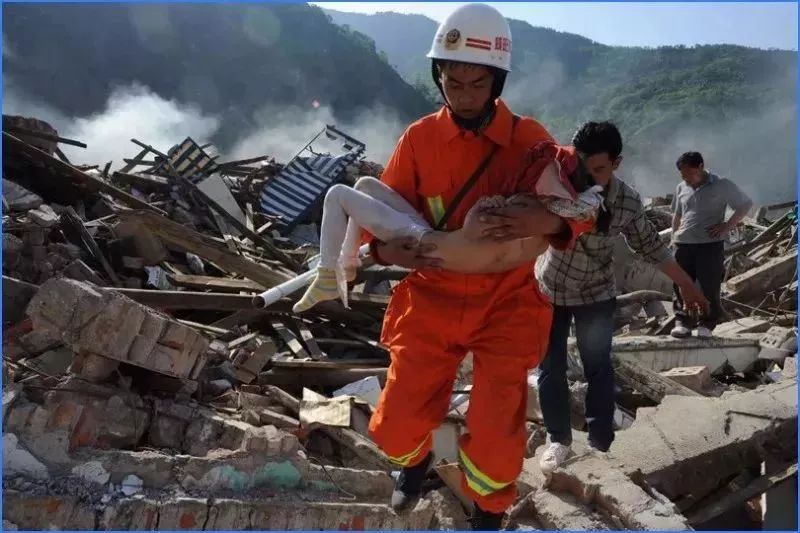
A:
705,263
594,329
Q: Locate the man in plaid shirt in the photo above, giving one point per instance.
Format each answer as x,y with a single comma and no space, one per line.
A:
580,283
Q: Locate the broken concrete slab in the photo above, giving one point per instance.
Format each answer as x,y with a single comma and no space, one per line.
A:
687,445
449,514
18,197
562,511
592,479
16,296
19,461
758,281
663,353
746,324
103,322
789,370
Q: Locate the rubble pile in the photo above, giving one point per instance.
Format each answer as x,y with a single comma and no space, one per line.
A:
143,389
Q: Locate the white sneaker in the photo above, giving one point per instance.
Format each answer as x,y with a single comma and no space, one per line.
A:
681,332
554,456
703,332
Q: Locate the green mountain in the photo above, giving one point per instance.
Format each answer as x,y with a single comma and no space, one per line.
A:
737,105
229,60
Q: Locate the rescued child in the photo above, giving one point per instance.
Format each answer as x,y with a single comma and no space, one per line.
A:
376,208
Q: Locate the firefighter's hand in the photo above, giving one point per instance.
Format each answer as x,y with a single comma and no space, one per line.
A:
694,301
516,220
407,253
474,228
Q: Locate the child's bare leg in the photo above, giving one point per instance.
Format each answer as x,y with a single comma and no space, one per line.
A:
365,212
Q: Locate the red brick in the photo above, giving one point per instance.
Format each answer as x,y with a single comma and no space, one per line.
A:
355,524
187,521
65,416
86,430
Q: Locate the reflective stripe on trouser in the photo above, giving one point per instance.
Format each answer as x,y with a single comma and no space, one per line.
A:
411,457
507,335
477,480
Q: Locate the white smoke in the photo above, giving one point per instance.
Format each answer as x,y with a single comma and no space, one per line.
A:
283,132
131,112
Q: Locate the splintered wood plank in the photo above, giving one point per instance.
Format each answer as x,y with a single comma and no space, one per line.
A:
189,240
242,340
308,338
215,283
290,339
248,214
224,229
72,218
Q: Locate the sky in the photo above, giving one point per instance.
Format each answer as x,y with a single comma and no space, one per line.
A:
756,24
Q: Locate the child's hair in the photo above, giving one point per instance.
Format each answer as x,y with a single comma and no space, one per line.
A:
598,137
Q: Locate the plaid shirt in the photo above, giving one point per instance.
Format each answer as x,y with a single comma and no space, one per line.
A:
584,274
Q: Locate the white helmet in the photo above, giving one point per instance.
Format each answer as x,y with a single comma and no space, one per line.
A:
474,33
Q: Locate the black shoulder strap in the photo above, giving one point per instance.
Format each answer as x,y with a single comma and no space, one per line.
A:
472,180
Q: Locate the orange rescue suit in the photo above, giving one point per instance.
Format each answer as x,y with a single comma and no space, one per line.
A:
435,317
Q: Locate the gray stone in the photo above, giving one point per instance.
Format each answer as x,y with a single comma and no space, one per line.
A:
19,461
202,435
52,362
12,250
44,216
167,432
18,197
562,511
80,271
689,444
217,387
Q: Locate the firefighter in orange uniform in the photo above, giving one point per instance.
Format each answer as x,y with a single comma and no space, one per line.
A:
435,317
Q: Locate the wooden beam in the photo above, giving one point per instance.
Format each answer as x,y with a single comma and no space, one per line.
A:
651,384
131,163
71,218
758,486
215,284
274,251
290,339
62,156
308,339
240,162
191,241
216,301
322,377
43,135
77,176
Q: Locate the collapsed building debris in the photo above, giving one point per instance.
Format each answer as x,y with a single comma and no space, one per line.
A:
144,388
